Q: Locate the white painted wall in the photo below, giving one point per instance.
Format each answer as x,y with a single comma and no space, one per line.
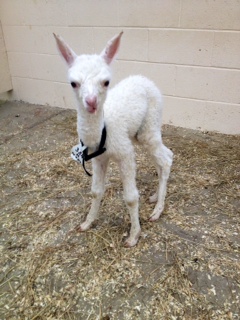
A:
190,48
5,77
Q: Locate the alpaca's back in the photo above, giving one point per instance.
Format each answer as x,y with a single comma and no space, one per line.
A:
131,106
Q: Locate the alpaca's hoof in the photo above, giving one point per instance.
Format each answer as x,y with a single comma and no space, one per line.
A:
153,218
132,241
84,226
156,214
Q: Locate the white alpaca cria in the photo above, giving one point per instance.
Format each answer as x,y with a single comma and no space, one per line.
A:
131,111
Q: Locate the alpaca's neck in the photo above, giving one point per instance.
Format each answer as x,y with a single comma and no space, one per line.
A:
90,127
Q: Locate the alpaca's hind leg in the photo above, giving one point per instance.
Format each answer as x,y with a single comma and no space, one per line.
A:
154,197
162,157
98,188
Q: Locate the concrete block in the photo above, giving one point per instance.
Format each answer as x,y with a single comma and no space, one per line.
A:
32,13
202,115
5,78
35,91
144,13
64,96
181,46
14,93
2,43
48,67
28,39
183,112
222,117
27,68
20,64
211,14
226,50
92,13
212,84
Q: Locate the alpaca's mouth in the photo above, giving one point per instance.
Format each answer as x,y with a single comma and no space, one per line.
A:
92,109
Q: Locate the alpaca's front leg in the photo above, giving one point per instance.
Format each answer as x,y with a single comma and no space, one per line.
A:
98,187
131,197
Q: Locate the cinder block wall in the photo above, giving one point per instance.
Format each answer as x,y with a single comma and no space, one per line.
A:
5,78
190,48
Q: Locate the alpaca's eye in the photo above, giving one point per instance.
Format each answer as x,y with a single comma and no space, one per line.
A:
106,83
74,84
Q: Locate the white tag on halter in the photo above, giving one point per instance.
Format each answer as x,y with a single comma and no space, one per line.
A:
77,153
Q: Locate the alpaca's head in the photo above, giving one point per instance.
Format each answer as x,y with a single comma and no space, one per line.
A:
89,75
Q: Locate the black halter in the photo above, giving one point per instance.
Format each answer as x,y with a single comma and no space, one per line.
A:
100,150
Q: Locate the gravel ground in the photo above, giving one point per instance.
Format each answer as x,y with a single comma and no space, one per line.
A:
185,266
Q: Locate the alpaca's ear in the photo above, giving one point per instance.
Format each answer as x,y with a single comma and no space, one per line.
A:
111,49
68,54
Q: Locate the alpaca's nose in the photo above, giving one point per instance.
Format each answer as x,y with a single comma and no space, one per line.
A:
91,101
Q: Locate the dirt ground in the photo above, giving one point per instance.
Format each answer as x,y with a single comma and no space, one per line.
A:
185,266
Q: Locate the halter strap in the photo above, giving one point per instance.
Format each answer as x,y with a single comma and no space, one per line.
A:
100,150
